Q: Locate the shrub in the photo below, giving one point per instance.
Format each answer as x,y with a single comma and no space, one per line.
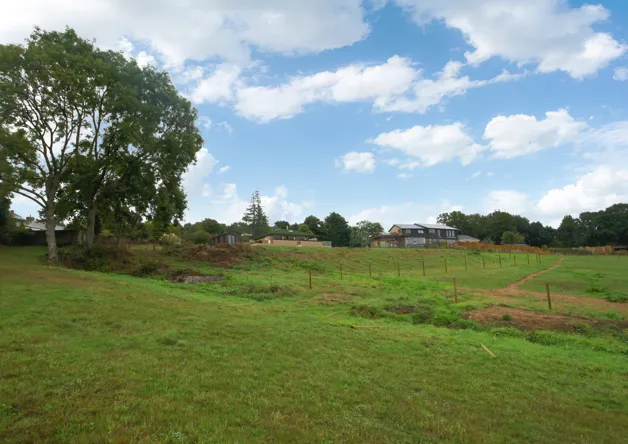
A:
202,237
423,314
617,297
507,317
596,289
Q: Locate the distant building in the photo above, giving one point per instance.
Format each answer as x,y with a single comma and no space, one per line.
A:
230,238
33,225
415,236
290,238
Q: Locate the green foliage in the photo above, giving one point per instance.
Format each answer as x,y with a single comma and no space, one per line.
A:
202,237
282,225
507,317
362,233
316,226
337,230
255,217
509,238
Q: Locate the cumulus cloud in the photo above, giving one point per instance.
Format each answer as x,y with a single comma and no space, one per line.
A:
621,74
520,134
358,162
224,169
201,29
431,144
548,33
600,188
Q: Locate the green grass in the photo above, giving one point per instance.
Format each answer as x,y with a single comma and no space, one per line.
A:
93,357
604,277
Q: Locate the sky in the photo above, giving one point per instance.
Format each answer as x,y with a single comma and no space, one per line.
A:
385,110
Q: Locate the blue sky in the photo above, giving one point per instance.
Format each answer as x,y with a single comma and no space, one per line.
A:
387,110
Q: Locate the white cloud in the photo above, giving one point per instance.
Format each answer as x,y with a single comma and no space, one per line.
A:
404,176
358,162
476,174
352,83
547,33
194,179
205,122
200,29
621,73
511,201
218,87
427,93
225,125
144,59
224,169
431,144
602,187
407,212
520,134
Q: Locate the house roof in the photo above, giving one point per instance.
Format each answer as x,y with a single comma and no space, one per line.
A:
428,226
35,225
437,227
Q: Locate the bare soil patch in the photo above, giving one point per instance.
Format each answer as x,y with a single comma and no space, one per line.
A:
529,277
529,320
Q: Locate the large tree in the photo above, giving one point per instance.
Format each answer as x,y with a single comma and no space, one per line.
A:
362,233
316,225
80,124
338,230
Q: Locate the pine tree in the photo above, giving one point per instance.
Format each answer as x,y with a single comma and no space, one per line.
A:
255,217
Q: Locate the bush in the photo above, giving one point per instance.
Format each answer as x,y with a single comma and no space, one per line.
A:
202,237
98,258
617,297
507,317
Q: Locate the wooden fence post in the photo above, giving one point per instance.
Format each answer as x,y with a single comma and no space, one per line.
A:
370,270
549,298
381,285
423,267
455,291
500,260
446,264
483,262
310,278
528,258
340,270
465,263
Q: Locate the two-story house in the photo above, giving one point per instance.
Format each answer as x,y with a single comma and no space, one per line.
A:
415,235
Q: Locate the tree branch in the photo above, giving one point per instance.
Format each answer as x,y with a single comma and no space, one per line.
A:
23,191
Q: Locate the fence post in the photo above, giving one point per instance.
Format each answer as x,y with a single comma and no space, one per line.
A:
340,270
455,291
370,271
423,267
381,285
500,260
549,298
310,278
483,262
528,258
465,263
446,264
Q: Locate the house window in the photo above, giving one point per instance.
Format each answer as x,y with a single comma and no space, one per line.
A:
419,231
432,231
407,231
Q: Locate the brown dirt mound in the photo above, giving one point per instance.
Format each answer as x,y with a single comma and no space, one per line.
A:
529,320
223,256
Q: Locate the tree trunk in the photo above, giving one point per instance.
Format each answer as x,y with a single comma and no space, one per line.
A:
91,226
51,238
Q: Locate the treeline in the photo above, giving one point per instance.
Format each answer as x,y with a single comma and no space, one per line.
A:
605,227
254,224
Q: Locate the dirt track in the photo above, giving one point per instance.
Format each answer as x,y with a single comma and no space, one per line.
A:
529,277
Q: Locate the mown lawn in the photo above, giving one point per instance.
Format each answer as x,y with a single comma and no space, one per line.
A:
92,357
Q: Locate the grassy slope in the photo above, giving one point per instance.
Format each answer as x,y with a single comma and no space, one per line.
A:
91,357
587,276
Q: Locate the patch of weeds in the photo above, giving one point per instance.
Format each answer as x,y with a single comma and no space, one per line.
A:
150,268
366,311
507,317
423,314
261,292
616,297
583,328
595,289
598,275
175,437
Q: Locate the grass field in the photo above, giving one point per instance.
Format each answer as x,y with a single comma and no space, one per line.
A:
259,357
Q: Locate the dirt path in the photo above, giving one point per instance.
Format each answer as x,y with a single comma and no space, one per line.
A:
529,277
